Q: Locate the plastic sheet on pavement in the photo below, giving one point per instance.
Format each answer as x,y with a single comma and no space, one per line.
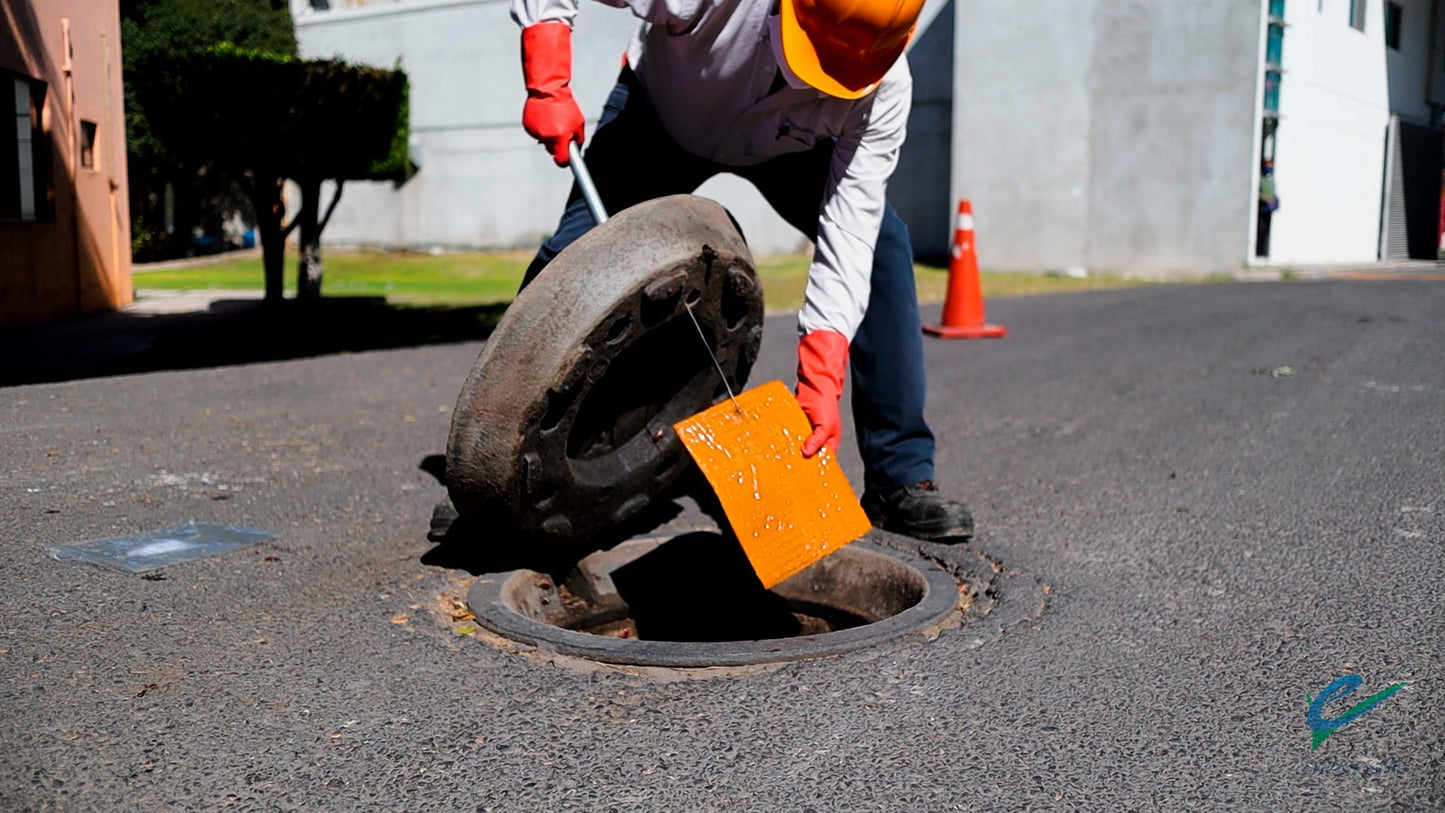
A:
153,550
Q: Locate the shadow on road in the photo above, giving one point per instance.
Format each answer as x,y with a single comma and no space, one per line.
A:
700,587
230,332
480,546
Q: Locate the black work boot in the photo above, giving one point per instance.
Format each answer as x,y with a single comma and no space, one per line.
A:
918,511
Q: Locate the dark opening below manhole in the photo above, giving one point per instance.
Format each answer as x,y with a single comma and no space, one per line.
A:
693,601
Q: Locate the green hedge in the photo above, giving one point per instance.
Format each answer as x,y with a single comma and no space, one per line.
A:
244,109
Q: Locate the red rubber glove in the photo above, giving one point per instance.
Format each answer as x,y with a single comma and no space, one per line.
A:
550,115
822,358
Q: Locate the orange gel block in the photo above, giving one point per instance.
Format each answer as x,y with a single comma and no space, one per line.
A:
787,511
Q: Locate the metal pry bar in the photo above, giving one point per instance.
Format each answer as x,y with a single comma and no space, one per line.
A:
584,182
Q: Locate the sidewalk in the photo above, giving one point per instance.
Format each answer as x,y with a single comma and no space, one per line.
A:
1390,269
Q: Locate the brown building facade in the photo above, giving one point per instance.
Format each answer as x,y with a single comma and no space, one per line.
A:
64,219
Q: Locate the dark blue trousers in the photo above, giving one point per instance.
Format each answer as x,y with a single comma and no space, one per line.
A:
633,159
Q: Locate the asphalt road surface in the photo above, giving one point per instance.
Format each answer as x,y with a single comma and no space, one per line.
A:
1206,503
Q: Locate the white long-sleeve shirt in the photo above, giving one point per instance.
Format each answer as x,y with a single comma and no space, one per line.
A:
707,66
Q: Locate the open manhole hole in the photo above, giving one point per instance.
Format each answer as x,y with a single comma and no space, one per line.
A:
693,601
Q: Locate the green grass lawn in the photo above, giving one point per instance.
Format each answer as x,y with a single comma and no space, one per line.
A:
479,278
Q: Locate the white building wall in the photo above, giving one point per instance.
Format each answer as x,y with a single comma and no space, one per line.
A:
1333,111
1112,134
1172,138
483,181
1119,135
1408,67
1021,119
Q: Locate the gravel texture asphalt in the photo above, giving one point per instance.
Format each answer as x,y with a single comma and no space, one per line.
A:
1204,504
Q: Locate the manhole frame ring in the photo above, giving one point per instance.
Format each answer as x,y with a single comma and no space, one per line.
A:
940,599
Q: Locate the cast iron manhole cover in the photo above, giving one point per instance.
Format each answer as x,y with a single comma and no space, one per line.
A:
693,601
563,429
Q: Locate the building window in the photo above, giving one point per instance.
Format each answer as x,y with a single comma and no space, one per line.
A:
1393,13
25,190
24,150
1271,91
87,144
1357,14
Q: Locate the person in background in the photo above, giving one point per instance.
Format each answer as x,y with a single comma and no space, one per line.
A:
1268,203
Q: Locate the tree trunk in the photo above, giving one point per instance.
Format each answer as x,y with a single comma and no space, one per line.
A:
308,270
265,196
313,222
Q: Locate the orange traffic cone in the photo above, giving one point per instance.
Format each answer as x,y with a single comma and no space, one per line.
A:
963,304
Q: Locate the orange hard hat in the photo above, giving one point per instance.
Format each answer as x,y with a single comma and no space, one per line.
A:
843,47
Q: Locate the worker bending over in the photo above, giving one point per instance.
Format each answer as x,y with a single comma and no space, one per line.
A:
808,100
